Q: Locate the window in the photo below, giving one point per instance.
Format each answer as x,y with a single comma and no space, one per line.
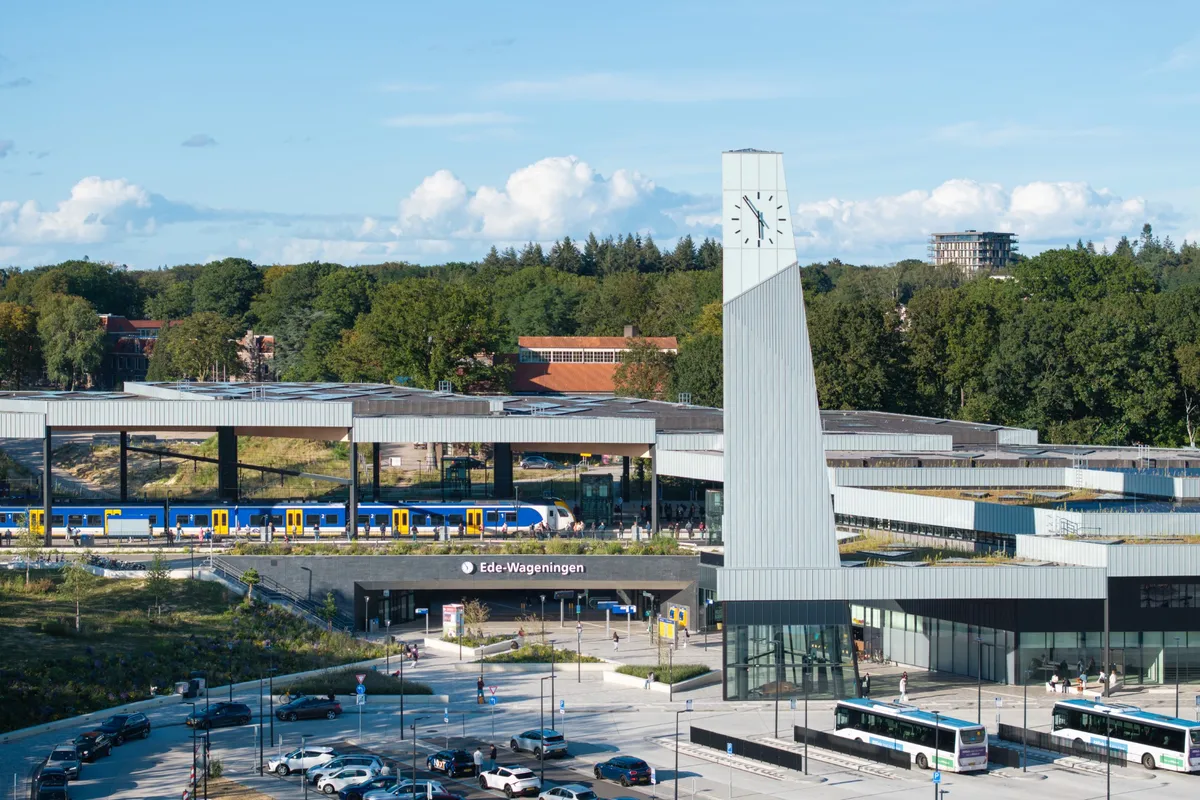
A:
489,516
183,519
312,519
256,520
74,519
364,519
332,519
510,516
200,519
56,519
95,520
277,519
153,519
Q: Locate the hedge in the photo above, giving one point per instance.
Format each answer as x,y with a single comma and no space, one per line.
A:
665,673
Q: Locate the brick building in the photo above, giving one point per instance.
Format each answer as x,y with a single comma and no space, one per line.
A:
575,364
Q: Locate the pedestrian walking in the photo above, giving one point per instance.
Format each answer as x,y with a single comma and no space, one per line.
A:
478,698
904,688
1079,666
492,756
478,756
866,685
649,680
616,641
687,637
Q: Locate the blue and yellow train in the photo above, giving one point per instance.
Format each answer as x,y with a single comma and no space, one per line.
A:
297,518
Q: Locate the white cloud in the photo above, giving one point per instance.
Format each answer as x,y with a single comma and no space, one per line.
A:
1041,211
95,208
459,119
436,203
679,87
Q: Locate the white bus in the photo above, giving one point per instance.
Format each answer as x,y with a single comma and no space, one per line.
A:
1154,739
932,741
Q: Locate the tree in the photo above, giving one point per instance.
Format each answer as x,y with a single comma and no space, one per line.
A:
644,371
329,610
77,583
204,345
857,352
251,578
158,578
72,339
20,348
698,370
1187,359
475,614
565,257
29,545
226,288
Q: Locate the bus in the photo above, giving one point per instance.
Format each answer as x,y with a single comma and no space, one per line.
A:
932,741
1156,740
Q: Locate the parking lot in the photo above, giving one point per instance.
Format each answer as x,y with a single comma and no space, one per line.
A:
601,721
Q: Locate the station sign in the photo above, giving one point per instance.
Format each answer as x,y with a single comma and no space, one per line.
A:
521,568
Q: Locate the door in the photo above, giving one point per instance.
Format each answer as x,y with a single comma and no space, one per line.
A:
295,522
400,521
37,521
475,521
220,521
110,512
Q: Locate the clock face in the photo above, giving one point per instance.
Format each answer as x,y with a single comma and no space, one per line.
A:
468,567
758,218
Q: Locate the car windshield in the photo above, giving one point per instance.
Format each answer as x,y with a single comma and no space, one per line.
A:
635,764
115,722
63,755
522,773
54,779
554,737
588,795
972,735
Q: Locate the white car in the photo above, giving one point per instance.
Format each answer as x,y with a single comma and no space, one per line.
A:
404,787
347,776
570,791
513,780
373,763
299,760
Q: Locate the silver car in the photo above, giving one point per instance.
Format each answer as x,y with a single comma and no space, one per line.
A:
552,743
66,758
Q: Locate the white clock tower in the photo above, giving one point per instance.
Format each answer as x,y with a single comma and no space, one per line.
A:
757,224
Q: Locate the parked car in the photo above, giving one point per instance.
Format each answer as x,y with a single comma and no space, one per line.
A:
538,462
374,763
299,760
66,758
51,784
512,780
451,763
535,741
220,715
124,727
309,708
357,790
92,745
406,788
332,782
570,791
626,770
466,462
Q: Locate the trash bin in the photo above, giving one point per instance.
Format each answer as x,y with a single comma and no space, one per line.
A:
88,539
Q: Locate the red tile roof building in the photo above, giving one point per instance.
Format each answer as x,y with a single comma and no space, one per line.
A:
575,364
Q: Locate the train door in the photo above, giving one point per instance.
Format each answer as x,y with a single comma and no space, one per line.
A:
110,512
475,521
37,521
220,521
400,521
295,522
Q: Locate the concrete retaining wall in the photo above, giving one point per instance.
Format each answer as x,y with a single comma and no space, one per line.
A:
634,682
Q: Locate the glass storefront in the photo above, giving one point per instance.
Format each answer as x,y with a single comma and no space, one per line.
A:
765,660
1137,658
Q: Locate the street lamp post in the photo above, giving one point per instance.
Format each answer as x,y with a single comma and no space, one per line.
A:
671,680
804,678
402,701
387,647
231,672
579,652
542,725
193,705
937,734
543,599
303,776
1025,725
677,713
271,688
414,740
260,725
1176,676
1108,754
979,683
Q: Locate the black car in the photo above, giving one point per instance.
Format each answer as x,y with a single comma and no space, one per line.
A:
220,715
124,727
451,763
357,791
51,784
309,708
92,745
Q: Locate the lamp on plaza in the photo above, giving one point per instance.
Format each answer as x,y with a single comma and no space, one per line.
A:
1177,676
193,705
1108,753
542,726
543,599
677,713
260,724
414,738
271,686
387,646
937,734
1025,724
231,644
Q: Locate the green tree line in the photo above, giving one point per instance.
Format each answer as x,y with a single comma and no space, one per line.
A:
1082,345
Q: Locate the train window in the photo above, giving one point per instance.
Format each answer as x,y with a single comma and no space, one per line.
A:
56,519
18,519
95,520
153,519
183,519
256,520
74,519
200,519
454,519
364,519
312,519
510,516
332,519
277,519
490,516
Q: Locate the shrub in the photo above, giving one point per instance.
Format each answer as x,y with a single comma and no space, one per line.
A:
215,768
540,654
471,640
345,682
664,673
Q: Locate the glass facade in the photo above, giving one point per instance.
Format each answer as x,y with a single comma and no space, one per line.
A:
762,660
1137,658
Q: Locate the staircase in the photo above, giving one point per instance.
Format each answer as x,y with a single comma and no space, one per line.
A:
272,591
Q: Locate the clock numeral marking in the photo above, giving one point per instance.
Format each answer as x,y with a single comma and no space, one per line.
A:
747,241
739,230
769,239
760,242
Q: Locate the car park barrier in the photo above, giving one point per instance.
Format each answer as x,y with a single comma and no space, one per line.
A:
745,748
853,747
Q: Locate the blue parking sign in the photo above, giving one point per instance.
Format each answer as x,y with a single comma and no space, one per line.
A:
729,748
937,776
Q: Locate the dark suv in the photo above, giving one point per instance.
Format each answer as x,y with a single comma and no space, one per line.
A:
92,745
451,763
52,784
309,708
124,727
220,715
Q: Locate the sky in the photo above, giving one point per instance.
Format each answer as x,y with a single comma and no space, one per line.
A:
152,134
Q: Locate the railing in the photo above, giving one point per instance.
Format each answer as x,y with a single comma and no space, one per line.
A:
853,747
745,748
268,587
1041,740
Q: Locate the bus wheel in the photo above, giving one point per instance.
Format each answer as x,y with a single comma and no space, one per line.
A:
922,761
1148,761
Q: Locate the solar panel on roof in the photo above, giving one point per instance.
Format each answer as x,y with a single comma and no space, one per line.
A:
543,406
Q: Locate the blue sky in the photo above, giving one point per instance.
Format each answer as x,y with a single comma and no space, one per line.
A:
161,133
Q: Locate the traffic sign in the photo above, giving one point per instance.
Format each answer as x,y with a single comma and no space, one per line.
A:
653,777
998,702
446,715
362,676
387,592
578,608
492,689
360,700
492,700
729,748
937,776
689,705
562,704
420,612
792,702
360,689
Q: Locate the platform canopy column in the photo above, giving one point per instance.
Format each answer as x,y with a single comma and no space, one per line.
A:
502,470
375,472
124,468
47,489
352,506
227,461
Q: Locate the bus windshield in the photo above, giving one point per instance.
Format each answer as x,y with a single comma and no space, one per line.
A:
972,735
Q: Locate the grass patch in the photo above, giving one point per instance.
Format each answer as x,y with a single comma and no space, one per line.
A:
345,682
665,673
478,641
658,546
125,646
540,654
